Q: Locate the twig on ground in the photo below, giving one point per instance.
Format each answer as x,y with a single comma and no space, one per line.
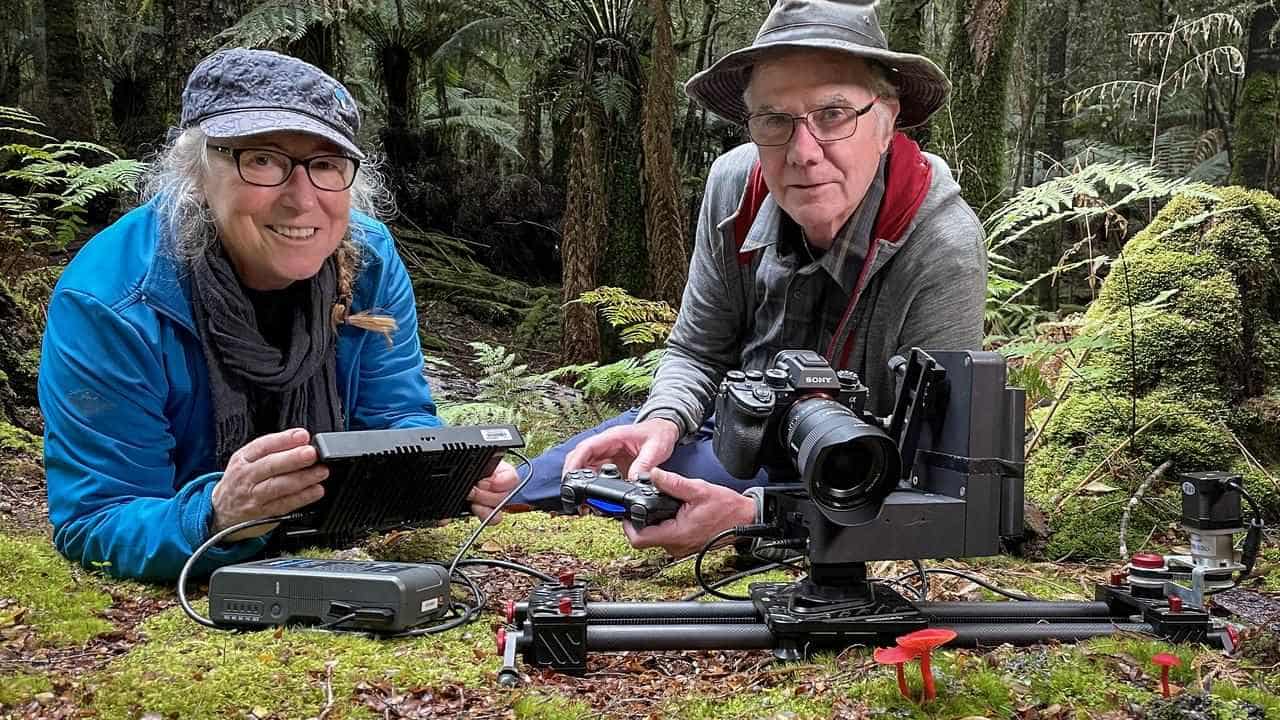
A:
1133,502
328,690
1057,402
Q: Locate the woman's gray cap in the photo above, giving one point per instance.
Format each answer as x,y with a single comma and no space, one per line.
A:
240,92
847,26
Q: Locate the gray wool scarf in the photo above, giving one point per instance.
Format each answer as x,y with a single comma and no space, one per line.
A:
299,379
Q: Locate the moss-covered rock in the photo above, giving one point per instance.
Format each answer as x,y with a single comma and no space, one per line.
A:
1191,320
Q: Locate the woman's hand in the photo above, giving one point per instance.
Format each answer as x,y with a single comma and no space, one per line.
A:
487,493
271,475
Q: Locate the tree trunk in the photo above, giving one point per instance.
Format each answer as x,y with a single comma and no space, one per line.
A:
906,34
663,216
979,63
1051,244
69,115
1258,121
691,134
531,128
584,226
193,25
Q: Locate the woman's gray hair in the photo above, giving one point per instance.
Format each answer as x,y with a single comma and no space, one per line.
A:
176,182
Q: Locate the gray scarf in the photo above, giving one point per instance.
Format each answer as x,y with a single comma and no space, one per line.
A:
299,379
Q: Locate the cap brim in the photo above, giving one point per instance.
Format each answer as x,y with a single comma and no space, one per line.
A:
922,86
257,122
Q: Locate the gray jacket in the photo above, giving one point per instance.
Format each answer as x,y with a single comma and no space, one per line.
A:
927,290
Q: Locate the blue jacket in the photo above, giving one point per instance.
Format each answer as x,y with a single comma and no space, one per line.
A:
129,438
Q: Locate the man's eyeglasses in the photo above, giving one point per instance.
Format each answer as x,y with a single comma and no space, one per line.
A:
270,168
826,124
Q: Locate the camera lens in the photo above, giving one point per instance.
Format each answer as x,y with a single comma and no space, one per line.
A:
847,465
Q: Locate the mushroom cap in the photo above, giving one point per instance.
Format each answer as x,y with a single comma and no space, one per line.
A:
892,655
926,639
1166,659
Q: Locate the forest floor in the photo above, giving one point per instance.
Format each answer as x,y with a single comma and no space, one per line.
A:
75,643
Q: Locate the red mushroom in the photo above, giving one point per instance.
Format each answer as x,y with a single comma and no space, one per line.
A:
1165,661
895,656
922,642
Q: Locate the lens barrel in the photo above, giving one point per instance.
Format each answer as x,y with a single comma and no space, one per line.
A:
847,465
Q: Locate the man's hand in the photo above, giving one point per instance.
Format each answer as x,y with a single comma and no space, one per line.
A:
270,475
635,448
707,510
487,493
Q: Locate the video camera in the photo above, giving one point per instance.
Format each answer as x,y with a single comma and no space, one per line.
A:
941,476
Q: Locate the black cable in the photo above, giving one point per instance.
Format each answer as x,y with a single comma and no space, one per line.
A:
333,624
508,565
466,545
698,564
979,581
744,574
923,592
204,547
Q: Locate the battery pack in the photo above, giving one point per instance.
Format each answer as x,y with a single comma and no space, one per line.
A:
375,596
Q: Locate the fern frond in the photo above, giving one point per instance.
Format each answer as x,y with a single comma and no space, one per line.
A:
286,20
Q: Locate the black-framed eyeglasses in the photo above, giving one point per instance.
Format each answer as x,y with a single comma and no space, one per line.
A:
826,124
271,168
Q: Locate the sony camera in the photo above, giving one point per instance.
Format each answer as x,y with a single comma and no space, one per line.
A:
941,476
802,420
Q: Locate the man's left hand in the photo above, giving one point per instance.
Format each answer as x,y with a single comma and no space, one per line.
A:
707,510
487,493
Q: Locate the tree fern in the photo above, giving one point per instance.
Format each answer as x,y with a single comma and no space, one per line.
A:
285,21
57,185
639,321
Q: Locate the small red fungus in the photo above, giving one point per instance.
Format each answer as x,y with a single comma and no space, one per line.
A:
1165,661
895,656
922,642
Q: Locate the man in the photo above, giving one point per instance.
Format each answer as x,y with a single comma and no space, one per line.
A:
861,249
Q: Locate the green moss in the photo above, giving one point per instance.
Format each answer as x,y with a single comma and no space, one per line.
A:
15,439
550,707
756,704
62,602
222,673
1255,126
1195,361
1269,703
18,689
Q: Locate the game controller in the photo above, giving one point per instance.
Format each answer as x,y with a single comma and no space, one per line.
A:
607,492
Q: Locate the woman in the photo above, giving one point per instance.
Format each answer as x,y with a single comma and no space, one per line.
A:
194,346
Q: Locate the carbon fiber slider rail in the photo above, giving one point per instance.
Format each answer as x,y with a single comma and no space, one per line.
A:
558,627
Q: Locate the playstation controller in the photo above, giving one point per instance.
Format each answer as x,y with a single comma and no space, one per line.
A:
607,492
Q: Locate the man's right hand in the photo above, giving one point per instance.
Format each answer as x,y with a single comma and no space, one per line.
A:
635,448
271,475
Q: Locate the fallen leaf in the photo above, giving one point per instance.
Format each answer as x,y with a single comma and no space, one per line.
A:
1098,487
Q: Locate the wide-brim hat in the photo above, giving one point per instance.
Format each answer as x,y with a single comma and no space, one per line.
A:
846,26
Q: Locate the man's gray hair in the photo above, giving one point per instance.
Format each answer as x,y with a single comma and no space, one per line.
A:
177,182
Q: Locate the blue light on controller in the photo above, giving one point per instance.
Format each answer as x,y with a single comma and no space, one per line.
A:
607,508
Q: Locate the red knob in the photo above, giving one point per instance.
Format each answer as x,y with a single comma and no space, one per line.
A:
502,641
1117,578
1148,561
566,578
566,606
510,610
1175,604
